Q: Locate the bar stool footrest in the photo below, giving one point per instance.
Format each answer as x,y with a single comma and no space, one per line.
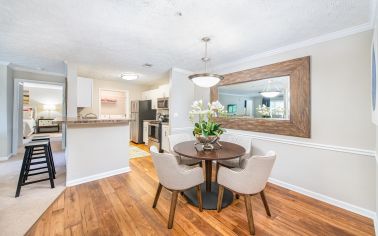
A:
35,181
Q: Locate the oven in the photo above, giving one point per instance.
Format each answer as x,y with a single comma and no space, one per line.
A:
162,103
154,134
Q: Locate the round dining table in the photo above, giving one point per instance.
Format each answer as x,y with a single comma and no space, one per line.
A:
209,189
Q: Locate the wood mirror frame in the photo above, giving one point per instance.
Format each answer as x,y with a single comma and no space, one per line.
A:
299,124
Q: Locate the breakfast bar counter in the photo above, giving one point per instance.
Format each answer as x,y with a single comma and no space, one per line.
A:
95,148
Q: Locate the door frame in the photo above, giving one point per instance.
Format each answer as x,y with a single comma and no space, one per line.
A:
16,108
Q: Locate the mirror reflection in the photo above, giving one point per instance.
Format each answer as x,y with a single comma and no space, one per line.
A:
264,99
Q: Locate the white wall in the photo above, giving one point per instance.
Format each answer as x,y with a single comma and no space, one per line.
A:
181,97
182,94
337,163
71,71
135,92
6,107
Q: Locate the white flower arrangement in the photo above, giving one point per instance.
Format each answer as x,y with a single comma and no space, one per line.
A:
213,109
206,126
263,110
279,111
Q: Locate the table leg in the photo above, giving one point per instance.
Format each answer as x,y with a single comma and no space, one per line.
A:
208,166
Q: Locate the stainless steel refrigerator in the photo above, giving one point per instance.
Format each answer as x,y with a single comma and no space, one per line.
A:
140,111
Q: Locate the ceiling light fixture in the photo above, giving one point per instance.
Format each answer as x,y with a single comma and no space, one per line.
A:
205,80
270,92
129,76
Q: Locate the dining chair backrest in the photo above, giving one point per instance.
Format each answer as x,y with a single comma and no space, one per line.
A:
171,175
174,139
257,170
243,141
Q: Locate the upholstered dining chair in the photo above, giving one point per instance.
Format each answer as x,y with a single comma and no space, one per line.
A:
175,178
244,141
248,181
179,138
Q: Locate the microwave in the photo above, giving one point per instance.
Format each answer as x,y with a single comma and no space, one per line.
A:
162,103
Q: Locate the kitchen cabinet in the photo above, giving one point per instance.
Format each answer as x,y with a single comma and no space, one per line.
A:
154,94
84,92
164,137
164,91
145,132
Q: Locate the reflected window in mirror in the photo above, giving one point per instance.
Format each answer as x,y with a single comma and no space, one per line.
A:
259,99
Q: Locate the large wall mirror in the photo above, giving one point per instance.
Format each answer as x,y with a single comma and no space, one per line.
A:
271,99
266,98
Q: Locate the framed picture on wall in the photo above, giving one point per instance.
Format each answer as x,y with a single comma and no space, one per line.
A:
231,108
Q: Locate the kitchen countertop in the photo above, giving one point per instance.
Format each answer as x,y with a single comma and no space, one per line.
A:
69,121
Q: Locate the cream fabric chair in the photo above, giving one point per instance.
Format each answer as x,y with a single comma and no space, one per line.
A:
179,138
245,142
176,178
248,181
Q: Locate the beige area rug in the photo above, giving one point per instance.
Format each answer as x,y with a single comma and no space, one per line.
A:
135,152
17,215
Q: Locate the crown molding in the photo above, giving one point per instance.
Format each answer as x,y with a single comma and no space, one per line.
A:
227,67
37,71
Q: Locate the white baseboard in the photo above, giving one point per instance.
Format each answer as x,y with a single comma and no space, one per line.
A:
376,224
347,206
6,157
97,176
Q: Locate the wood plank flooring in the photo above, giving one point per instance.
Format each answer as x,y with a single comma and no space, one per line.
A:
122,205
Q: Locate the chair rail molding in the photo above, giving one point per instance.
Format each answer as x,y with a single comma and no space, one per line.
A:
351,150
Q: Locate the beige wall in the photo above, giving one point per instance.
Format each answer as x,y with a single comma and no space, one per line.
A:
337,163
340,89
135,92
6,111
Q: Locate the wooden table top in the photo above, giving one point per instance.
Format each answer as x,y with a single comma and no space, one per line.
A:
228,151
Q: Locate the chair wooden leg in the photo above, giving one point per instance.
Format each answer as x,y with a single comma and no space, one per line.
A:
248,206
157,195
262,194
172,210
220,198
199,197
216,172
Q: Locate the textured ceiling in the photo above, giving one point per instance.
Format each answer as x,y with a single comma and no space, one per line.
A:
108,37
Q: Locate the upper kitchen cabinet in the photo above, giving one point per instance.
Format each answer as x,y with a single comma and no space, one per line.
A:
164,91
154,94
84,92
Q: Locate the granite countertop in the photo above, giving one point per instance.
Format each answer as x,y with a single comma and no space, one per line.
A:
90,121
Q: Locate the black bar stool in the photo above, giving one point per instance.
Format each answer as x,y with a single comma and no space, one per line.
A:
45,138
31,159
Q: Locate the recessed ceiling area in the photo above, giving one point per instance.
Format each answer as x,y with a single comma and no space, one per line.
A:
107,38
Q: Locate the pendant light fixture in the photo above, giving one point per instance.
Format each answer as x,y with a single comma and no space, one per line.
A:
205,80
270,92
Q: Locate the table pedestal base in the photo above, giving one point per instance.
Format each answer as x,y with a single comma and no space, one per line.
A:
209,199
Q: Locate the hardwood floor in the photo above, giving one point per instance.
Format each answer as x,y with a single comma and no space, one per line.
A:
122,205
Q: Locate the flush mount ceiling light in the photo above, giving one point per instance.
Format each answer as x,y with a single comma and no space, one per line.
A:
270,92
205,80
129,76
